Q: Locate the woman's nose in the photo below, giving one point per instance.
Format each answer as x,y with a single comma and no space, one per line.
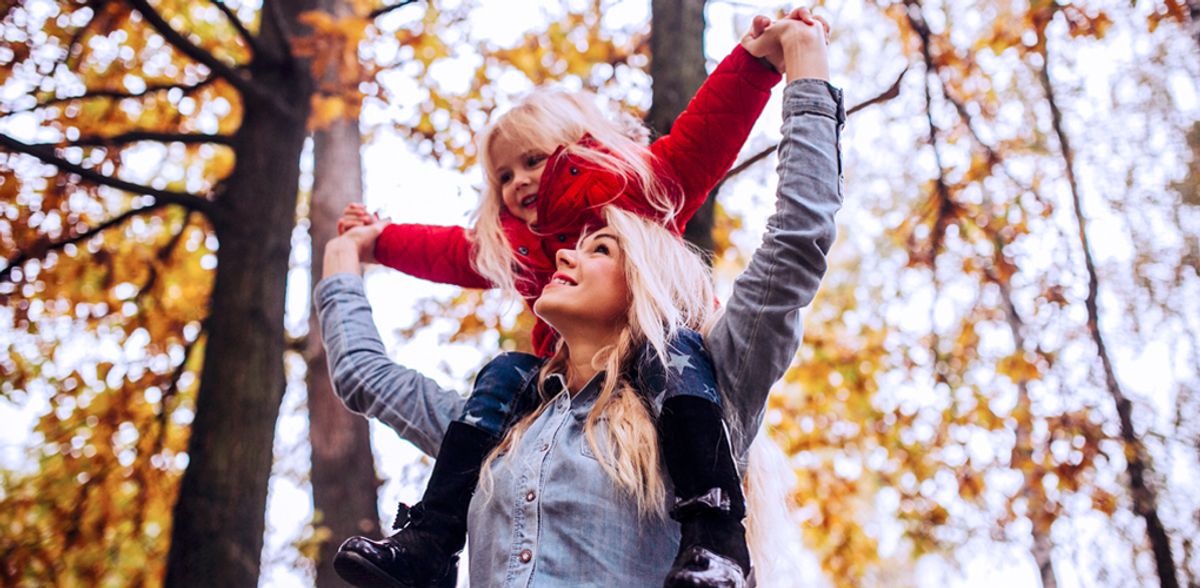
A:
565,257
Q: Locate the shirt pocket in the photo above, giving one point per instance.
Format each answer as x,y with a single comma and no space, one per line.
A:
601,433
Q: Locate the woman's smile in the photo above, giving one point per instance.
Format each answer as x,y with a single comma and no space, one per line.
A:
589,286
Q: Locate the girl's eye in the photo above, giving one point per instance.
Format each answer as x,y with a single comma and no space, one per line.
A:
602,249
505,177
535,160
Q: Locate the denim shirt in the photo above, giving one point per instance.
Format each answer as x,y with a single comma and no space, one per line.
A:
554,518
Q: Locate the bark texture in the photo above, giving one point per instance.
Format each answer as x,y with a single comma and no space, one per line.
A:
1141,488
217,536
344,483
677,66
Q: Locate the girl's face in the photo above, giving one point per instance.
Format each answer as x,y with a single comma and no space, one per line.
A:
518,169
589,288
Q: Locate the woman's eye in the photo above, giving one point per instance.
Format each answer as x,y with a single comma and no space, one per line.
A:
602,248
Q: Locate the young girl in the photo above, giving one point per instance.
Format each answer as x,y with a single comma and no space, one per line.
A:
551,164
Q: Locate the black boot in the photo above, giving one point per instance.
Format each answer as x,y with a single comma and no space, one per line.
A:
424,552
709,504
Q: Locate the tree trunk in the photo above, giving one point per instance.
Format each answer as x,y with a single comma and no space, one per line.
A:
678,70
1141,487
217,536
1042,549
343,470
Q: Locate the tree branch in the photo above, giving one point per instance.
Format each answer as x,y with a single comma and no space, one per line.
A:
39,250
1145,499
136,136
237,24
246,86
173,389
378,12
892,92
114,94
189,201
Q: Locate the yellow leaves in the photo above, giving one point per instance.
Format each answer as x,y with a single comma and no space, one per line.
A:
1086,23
327,110
332,50
1018,368
1104,502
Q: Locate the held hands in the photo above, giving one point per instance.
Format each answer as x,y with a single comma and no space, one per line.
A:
362,228
794,45
355,215
355,243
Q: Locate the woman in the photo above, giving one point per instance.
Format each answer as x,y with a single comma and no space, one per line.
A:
556,506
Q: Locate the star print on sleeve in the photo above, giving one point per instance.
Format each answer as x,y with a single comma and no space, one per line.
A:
680,362
523,373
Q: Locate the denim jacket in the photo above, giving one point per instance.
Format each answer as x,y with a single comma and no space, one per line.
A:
553,517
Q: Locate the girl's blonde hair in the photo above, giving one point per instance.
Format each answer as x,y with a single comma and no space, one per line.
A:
543,121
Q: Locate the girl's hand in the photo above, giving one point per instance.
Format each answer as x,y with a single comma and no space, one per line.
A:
355,215
762,46
363,237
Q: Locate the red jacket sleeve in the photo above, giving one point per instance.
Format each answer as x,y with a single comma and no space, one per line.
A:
430,252
706,138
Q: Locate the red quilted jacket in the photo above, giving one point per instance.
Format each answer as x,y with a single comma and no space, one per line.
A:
702,146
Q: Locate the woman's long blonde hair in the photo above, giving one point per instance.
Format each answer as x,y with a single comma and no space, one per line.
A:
544,120
661,303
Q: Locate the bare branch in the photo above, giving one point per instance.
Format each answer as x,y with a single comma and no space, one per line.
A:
378,12
237,24
136,136
115,94
892,92
743,166
190,201
39,250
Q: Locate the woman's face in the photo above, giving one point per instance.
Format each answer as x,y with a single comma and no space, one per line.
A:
589,289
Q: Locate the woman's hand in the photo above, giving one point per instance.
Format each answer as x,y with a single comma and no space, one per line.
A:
804,40
354,247
765,39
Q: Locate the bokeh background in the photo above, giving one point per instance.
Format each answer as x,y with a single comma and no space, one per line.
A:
996,379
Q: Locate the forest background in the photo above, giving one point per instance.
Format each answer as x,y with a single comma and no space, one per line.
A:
996,375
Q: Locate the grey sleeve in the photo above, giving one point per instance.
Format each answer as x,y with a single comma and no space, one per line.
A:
368,382
755,339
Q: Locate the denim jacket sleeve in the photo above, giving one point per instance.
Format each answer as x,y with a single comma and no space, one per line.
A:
753,343
370,383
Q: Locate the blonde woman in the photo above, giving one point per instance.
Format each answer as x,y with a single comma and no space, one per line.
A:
575,494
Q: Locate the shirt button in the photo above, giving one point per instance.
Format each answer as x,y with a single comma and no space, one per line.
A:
562,238
530,496
525,556
545,447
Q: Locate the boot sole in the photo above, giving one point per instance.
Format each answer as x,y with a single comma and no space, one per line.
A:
360,572
356,570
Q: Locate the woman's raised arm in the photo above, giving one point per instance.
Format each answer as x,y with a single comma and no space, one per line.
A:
366,380
753,343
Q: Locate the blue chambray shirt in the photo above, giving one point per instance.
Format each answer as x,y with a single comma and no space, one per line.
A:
554,518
